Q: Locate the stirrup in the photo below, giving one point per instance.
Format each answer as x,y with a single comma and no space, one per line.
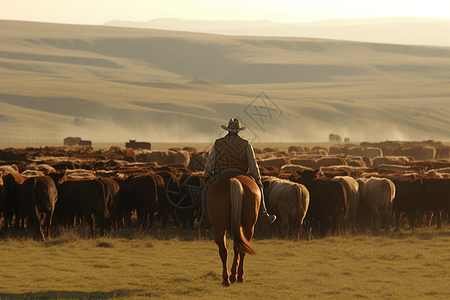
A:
266,218
198,222
203,222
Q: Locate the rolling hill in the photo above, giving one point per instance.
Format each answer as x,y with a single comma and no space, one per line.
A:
113,84
392,30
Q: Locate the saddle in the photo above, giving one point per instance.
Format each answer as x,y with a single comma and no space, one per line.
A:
236,172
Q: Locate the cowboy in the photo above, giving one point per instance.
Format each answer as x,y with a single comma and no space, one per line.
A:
231,155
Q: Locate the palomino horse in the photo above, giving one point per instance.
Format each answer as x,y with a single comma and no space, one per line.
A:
233,202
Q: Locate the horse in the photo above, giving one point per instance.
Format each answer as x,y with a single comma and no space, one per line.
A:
233,202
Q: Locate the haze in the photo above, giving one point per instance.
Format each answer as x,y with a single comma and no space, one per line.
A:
96,12
112,83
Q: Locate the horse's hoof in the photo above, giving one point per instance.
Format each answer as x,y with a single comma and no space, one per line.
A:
226,283
240,280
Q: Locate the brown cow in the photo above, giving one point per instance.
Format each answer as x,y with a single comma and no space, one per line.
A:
72,141
352,189
372,152
376,195
287,200
112,193
296,149
331,161
306,161
276,162
38,196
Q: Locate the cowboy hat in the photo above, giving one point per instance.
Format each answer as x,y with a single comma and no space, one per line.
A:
233,126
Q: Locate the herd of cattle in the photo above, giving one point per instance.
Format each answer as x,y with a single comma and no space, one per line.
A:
319,191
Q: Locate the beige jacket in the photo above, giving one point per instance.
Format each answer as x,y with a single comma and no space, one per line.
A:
251,163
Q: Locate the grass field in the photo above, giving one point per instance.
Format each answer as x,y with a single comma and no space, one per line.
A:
177,264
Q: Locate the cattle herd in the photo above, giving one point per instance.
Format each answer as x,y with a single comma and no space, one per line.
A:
364,188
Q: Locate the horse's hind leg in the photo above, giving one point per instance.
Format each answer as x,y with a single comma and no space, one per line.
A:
240,277
248,232
219,238
234,267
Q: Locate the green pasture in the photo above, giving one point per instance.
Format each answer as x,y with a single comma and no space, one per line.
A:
181,264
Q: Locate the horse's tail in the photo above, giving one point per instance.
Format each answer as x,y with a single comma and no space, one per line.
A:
237,196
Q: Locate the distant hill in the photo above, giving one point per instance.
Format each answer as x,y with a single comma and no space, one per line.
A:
400,30
112,84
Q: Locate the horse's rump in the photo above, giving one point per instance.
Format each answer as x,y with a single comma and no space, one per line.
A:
233,201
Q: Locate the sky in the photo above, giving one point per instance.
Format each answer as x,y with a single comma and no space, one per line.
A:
97,12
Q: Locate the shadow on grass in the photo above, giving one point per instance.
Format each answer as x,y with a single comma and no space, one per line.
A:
67,295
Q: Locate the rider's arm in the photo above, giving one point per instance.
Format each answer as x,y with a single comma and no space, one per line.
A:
252,165
210,162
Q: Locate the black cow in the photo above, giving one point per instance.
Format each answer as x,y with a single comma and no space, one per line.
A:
80,198
38,196
165,208
85,143
11,205
406,200
2,193
162,201
435,197
137,145
140,192
328,203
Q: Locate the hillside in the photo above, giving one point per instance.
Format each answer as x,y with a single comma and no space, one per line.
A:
392,30
111,84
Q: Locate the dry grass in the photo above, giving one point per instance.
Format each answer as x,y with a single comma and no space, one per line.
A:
163,86
182,265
